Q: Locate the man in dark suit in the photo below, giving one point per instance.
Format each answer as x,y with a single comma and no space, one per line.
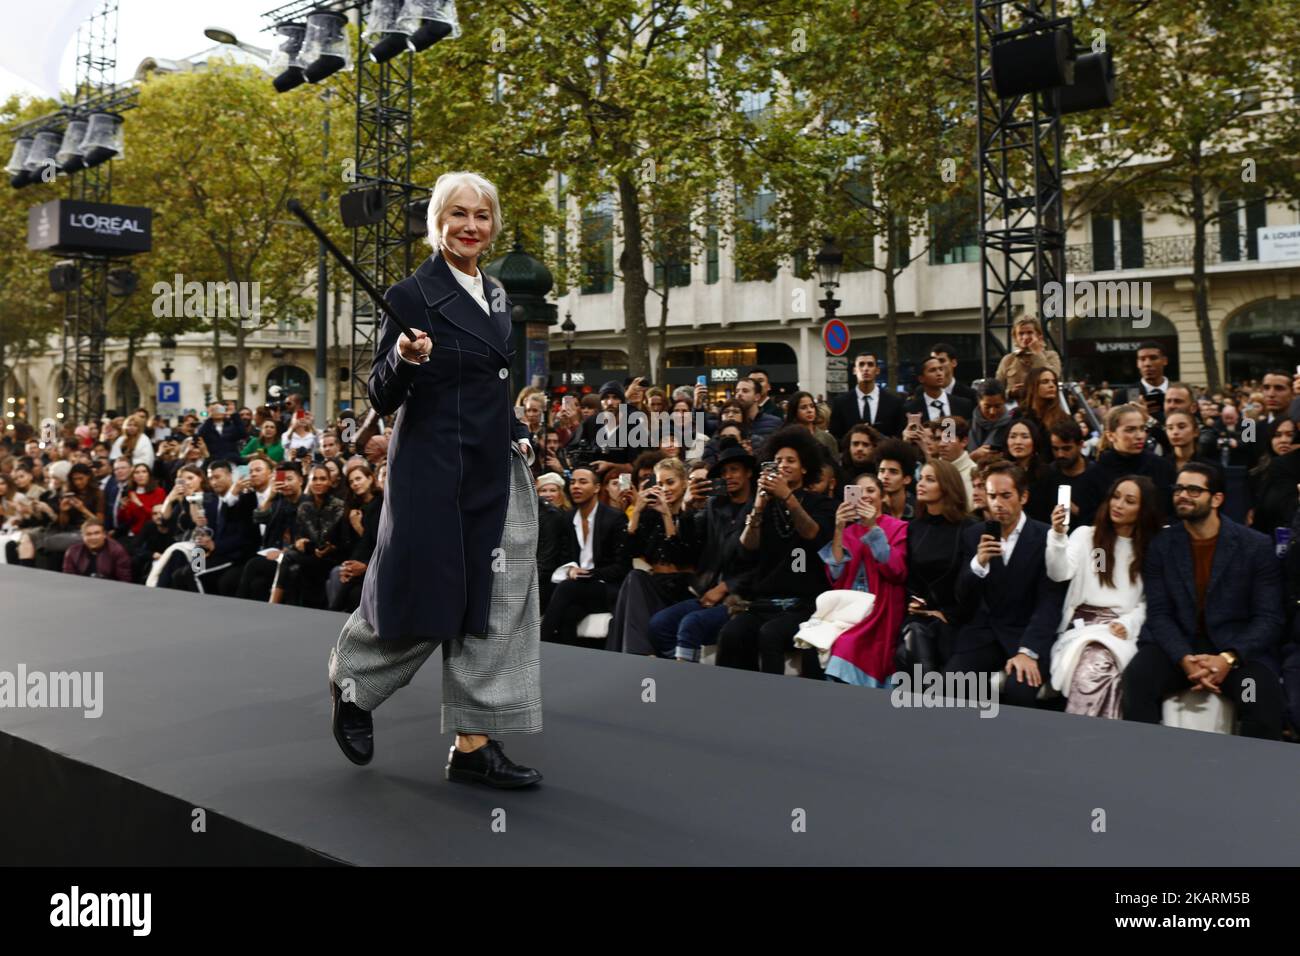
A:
224,434
1011,607
1214,612
866,403
115,491
933,401
947,355
591,568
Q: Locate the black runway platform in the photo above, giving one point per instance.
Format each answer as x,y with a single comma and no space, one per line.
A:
221,705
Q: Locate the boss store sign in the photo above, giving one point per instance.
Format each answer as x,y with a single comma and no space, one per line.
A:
105,229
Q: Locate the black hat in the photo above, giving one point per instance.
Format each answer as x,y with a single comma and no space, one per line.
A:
613,388
733,451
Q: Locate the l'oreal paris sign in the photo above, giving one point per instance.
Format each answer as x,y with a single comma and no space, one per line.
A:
71,225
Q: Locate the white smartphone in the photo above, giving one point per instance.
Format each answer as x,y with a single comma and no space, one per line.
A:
625,482
1063,498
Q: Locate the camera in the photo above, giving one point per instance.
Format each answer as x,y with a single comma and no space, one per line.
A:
195,499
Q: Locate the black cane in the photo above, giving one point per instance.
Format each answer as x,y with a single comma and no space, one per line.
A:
295,207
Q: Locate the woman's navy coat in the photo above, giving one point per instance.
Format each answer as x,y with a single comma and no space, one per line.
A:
449,459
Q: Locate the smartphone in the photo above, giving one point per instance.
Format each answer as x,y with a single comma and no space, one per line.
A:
853,494
718,487
913,418
625,482
1063,498
241,472
994,529
704,380
279,474
768,468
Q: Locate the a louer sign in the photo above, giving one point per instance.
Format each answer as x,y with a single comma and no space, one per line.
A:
71,225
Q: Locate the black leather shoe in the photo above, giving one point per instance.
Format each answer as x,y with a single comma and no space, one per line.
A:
354,729
489,765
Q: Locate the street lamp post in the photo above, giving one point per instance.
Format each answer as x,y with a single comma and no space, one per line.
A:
568,328
167,345
829,262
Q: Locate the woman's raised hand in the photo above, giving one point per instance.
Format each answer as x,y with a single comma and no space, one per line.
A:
415,351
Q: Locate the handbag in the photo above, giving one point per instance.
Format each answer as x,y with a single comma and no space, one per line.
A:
1086,614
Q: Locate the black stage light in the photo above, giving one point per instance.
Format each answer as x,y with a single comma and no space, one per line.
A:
1030,63
325,47
363,206
286,61
16,167
103,139
428,21
69,156
1094,84
383,33
63,277
40,163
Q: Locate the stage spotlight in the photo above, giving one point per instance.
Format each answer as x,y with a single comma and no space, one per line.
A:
325,47
363,206
1029,64
40,163
103,139
428,21
286,62
64,277
1094,84
417,218
16,167
382,32
69,155
122,282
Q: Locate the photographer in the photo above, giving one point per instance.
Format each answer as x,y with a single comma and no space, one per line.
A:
223,434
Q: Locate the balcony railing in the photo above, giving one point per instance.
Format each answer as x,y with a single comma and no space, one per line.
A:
1163,252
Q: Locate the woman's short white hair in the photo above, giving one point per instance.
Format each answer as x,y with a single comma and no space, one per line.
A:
448,185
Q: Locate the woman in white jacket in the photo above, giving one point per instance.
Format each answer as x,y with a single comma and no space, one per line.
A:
1104,607
134,442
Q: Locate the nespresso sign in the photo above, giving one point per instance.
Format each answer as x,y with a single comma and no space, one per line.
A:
71,225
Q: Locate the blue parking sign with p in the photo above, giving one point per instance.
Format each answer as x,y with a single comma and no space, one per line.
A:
169,393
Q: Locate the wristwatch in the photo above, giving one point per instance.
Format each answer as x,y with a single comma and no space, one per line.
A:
1230,657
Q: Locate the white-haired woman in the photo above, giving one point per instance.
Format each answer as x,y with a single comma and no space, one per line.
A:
455,561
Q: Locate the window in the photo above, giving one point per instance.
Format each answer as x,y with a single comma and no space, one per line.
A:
1239,221
753,213
598,247
673,252
1108,225
954,232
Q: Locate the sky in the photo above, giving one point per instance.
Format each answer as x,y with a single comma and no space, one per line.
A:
166,29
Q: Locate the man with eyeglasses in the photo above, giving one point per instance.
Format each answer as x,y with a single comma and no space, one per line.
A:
1214,612
867,402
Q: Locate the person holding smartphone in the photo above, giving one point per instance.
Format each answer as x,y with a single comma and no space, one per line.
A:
868,553
1012,608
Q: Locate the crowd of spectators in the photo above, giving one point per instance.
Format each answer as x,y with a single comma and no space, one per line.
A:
1100,548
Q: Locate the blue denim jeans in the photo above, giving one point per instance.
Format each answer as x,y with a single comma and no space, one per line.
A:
681,629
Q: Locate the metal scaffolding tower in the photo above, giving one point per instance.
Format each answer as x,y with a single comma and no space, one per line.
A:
1022,239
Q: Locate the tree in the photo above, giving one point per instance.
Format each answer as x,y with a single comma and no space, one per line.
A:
1207,105
611,93
224,153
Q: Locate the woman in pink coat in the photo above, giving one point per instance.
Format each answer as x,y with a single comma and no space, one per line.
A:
868,553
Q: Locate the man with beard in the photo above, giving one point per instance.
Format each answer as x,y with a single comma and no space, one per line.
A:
856,457
1214,612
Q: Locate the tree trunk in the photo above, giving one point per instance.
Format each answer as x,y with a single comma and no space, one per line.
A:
661,364
631,264
1200,285
894,377
216,351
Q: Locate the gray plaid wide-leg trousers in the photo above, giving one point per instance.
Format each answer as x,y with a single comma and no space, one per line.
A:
491,684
